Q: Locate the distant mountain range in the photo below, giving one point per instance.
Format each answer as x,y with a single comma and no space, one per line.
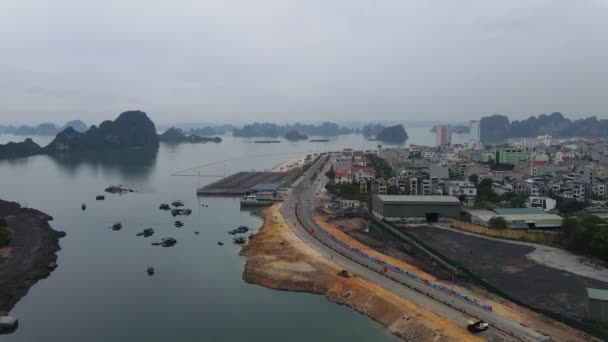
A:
496,128
274,130
131,130
43,129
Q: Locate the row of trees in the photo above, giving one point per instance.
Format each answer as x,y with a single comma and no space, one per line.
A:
383,168
587,235
5,235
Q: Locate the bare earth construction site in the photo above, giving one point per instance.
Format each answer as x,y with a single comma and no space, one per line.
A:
285,255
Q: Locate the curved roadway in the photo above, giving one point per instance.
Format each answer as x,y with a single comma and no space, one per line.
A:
302,199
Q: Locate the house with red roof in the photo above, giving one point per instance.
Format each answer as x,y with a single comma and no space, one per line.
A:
343,176
360,161
364,173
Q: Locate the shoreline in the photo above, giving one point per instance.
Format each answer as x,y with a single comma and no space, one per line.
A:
31,255
277,259
288,164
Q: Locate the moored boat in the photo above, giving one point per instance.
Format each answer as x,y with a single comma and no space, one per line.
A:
258,199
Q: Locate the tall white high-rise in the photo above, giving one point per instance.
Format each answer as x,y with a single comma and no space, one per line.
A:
475,131
443,136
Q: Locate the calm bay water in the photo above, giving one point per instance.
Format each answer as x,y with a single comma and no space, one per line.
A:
101,292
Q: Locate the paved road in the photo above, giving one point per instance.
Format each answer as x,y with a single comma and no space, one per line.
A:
302,197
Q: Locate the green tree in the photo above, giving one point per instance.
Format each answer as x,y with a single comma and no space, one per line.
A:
392,190
474,179
485,192
570,205
6,236
331,173
518,202
498,222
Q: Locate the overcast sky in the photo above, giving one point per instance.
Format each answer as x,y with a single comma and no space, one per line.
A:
288,60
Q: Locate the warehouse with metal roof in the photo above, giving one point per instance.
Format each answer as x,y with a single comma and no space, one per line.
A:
597,304
517,218
403,206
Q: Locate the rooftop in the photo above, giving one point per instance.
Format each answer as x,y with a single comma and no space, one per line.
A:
519,211
418,199
266,186
597,294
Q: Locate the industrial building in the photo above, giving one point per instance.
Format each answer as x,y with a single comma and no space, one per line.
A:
393,207
517,218
597,304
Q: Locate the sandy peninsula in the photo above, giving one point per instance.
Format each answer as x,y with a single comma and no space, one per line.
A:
278,259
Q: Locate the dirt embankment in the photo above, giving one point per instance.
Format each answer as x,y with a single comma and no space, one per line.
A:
342,228
31,255
278,259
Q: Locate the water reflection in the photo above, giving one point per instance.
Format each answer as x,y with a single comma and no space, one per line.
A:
130,164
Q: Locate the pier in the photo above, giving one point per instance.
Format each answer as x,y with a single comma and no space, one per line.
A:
240,182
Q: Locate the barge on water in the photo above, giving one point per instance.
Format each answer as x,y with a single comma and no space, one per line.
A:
259,199
8,324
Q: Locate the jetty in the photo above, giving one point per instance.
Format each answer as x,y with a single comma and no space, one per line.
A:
241,182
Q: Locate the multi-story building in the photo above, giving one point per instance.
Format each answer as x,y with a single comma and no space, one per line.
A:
343,176
544,203
530,143
510,155
474,132
363,173
443,136
413,185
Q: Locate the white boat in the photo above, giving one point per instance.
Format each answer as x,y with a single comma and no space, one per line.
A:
259,198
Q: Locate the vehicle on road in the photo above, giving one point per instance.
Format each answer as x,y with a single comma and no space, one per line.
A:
479,326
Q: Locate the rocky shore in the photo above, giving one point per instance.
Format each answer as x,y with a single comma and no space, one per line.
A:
31,255
278,259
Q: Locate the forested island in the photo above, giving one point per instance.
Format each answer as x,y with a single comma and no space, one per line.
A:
393,134
295,136
498,127
132,129
176,135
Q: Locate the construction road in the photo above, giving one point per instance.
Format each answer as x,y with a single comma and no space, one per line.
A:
302,200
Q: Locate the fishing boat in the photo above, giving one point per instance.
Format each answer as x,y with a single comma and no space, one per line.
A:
146,232
239,240
168,242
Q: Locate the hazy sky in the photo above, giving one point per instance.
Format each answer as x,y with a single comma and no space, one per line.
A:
305,60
